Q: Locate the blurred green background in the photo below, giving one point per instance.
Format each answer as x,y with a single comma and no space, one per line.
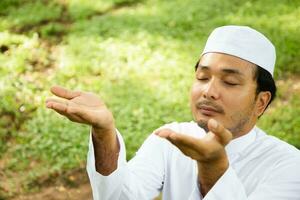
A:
138,55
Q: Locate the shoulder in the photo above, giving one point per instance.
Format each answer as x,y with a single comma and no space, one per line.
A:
277,148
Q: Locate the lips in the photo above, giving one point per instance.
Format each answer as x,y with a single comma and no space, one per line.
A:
208,109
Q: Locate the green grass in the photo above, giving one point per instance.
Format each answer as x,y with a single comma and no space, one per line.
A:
138,56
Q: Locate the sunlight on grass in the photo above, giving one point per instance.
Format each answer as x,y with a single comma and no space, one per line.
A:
139,56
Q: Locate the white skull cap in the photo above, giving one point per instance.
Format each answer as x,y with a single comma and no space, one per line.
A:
243,42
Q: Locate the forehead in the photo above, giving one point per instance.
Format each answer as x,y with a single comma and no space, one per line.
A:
219,61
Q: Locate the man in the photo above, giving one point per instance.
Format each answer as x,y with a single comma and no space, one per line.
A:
222,155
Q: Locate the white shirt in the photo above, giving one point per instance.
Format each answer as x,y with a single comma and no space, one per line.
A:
261,167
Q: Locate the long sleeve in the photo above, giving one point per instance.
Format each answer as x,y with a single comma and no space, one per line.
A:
106,187
140,178
261,167
283,183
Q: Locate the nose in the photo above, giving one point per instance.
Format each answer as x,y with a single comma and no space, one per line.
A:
211,90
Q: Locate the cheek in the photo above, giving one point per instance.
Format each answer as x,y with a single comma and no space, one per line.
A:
238,102
195,92
193,97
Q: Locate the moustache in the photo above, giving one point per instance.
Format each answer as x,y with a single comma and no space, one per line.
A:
214,106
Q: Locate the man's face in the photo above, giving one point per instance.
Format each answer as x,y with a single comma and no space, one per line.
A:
225,90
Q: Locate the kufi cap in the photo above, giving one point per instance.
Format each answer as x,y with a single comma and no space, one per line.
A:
243,42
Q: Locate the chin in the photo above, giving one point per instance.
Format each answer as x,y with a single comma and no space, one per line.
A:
202,118
202,123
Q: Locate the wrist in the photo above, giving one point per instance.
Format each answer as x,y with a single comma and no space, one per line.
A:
218,164
101,133
106,149
209,172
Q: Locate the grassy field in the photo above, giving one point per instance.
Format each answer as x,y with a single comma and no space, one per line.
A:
138,55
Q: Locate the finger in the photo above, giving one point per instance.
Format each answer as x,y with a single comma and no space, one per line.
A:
224,135
61,107
65,109
169,135
181,140
64,93
72,117
186,146
57,100
164,133
70,108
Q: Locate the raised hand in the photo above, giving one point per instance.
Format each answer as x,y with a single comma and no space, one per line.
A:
88,108
210,147
209,152
81,107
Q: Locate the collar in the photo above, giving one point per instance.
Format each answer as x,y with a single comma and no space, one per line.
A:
237,145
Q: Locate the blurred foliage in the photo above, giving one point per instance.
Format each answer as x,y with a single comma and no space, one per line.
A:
282,119
138,55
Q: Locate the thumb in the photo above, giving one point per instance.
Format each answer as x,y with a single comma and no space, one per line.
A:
223,134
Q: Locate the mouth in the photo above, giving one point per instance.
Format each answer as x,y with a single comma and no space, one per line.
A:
208,110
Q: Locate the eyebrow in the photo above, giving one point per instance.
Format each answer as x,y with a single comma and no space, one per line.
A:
226,70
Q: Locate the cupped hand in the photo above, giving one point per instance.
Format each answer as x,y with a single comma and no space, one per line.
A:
81,107
208,148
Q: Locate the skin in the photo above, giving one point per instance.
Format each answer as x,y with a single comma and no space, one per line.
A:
222,82
88,108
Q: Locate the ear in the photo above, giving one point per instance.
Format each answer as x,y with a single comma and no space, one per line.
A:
262,100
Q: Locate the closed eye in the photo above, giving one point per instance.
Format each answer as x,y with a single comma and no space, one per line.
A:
202,79
230,83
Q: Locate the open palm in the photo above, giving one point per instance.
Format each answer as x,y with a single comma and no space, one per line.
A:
81,107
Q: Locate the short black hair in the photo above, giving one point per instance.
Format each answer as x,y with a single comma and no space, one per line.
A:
265,82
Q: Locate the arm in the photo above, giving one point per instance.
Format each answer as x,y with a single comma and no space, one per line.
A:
110,175
140,178
218,180
209,152
87,108
106,151
282,183
210,172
